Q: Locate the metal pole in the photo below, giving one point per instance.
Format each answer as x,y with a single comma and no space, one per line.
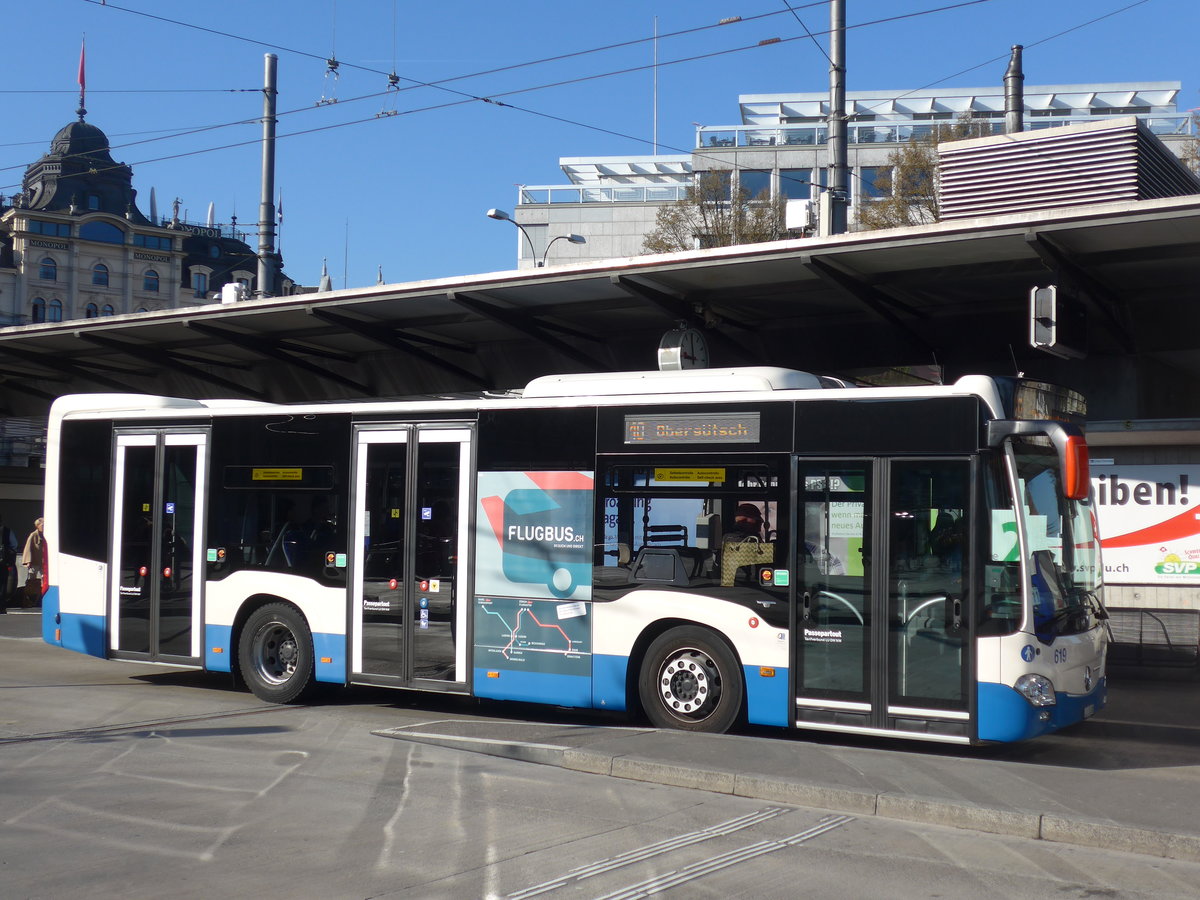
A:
267,258
837,195
1014,93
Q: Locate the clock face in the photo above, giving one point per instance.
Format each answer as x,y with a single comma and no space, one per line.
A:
683,348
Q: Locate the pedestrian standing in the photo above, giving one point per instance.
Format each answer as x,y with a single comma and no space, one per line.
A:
34,559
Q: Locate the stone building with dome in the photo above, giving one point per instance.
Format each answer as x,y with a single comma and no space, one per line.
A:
75,245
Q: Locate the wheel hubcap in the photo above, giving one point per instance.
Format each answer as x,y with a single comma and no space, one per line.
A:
689,684
275,653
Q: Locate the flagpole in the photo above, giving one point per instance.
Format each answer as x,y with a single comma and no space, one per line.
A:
82,111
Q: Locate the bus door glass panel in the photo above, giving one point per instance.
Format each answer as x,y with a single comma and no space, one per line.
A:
439,526
177,589
383,482
833,566
411,527
155,598
133,556
928,578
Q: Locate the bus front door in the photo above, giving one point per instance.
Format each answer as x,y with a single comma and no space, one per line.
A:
157,545
412,507
882,613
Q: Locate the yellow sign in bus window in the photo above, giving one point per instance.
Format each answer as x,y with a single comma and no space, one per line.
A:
704,476
277,474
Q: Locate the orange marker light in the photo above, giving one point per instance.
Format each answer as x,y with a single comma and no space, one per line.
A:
766,672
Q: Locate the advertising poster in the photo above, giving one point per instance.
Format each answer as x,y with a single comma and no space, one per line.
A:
533,581
1149,520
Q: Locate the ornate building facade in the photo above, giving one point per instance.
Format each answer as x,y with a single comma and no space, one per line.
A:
75,245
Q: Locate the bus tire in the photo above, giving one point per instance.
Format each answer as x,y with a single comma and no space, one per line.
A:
275,654
690,680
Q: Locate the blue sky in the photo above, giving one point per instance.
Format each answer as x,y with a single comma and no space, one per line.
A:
409,192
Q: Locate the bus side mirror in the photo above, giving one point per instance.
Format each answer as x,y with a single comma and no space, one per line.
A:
1076,477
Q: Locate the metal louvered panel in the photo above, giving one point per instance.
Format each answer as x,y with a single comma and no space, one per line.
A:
1109,161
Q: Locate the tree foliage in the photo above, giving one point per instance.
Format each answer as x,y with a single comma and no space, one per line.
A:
714,214
910,186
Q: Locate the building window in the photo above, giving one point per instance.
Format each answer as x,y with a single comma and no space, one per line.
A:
51,229
93,201
152,242
868,178
150,281
214,250
796,184
100,274
91,311
37,311
755,182
101,232
199,284
48,270
108,310
54,311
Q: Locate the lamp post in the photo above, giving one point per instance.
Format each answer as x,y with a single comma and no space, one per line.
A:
569,238
502,216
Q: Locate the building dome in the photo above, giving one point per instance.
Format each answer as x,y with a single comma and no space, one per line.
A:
80,139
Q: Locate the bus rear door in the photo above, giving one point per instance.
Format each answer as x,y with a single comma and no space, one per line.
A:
155,596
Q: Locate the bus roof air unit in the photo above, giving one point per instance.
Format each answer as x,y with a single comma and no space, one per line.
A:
687,381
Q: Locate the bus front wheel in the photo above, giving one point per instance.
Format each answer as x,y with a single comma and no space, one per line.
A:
275,654
690,680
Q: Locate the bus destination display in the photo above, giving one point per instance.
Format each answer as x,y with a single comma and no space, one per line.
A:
693,428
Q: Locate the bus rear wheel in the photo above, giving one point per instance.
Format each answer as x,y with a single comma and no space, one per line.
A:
275,654
690,680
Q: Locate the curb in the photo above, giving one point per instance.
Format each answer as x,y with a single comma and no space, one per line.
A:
902,807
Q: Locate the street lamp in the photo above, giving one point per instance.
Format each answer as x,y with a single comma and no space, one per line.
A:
569,238
505,217
502,216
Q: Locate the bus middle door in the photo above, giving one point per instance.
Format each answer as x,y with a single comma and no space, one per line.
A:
408,620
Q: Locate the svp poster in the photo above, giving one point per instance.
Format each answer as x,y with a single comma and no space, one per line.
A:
1149,519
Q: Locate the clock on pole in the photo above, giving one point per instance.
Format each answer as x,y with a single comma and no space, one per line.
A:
682,348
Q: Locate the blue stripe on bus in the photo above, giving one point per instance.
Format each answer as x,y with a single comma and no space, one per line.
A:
218,648
219,652
766,698
534,687
84,634
608,681
49,613
333,648
1005,715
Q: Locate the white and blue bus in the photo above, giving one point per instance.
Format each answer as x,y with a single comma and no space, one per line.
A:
701,547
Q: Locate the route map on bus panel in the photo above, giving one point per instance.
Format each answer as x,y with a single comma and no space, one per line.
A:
548,636
533,572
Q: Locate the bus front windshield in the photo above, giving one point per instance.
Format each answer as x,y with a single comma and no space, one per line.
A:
1062,550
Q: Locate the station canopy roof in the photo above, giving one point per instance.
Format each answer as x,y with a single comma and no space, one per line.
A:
954,295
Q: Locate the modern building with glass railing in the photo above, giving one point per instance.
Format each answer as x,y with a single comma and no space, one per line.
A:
780,148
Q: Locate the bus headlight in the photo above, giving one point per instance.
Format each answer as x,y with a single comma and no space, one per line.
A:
1037,689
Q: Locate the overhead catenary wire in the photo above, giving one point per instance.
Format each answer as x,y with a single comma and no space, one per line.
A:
496,99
